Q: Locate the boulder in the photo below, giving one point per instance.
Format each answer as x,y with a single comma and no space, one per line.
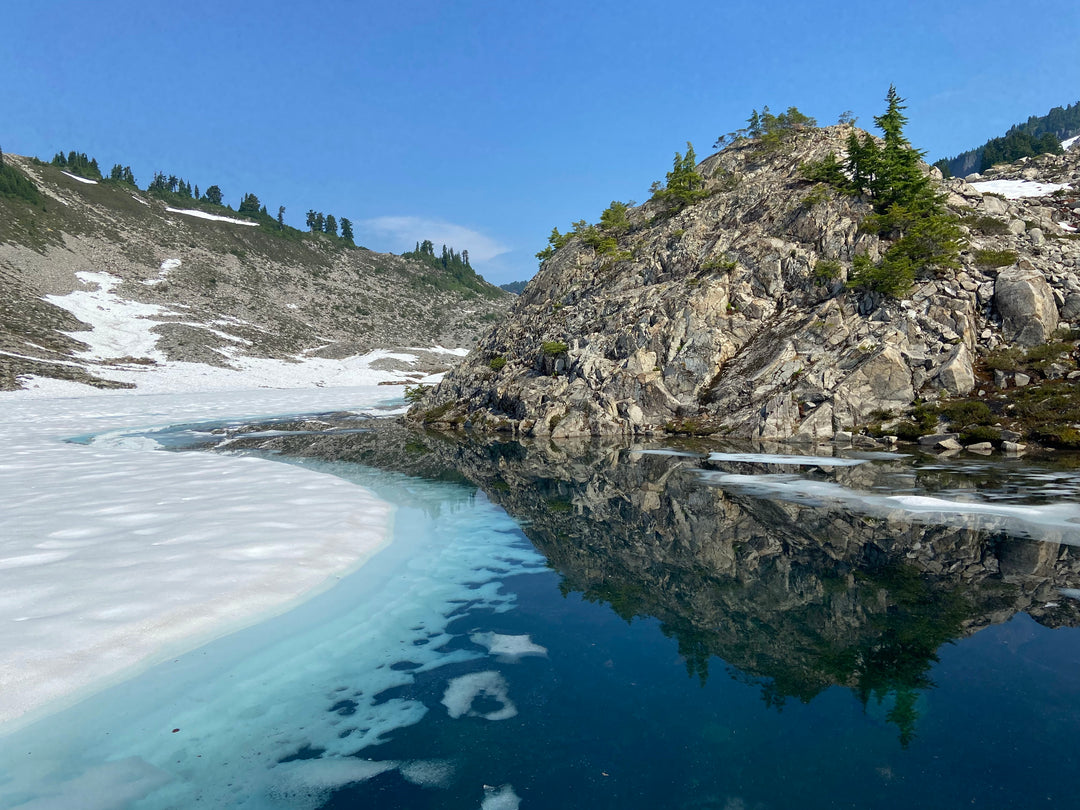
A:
1026,305
956,376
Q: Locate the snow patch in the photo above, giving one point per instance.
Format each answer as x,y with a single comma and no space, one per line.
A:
80,179
192,212
138,199
166,267
1068,143
1015,189
119,327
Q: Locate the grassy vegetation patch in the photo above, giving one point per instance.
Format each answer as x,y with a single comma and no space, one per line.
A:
995,258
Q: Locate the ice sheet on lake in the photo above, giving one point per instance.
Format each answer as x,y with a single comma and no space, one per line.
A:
1055,523
110,554
776,458
315,679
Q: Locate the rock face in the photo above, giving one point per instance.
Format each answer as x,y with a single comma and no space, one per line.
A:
732,315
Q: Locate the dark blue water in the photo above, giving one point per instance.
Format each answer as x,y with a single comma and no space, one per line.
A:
704,648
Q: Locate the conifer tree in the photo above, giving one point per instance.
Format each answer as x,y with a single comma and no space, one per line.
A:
214,196
320,222
346,230
281,217
330,225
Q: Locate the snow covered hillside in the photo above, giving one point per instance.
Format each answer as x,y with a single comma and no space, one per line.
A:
95,258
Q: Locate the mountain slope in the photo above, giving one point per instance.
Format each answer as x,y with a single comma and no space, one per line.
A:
1036,135
206,290
732,315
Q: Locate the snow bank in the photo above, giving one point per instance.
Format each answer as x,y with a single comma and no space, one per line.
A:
192,212
1015,189
1067,144
111,555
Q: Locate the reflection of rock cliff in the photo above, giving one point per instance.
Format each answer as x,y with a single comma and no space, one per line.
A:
803,597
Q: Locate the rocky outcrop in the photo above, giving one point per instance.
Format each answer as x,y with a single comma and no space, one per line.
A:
732,315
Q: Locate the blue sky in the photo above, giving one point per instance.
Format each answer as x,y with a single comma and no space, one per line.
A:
485,124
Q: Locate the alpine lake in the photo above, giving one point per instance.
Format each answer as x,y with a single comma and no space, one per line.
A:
652,624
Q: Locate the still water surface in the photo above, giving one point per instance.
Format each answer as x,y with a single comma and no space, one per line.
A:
611,626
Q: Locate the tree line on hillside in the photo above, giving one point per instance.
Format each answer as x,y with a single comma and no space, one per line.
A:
454,270
177,191
317,222
1036,136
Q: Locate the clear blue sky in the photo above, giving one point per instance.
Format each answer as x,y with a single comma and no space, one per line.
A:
484,124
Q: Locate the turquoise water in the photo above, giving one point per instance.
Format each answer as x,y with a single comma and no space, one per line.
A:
594,626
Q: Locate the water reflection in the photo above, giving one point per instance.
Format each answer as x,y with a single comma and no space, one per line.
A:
797,594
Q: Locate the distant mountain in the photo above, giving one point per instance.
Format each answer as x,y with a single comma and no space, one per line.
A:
514,287
219,285
1038,135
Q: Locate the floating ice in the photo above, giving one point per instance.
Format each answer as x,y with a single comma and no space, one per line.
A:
500,798
802,461
462,691
307,783
666,452
1055,523
508,648
432,773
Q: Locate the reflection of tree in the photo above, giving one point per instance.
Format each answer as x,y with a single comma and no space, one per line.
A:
795,598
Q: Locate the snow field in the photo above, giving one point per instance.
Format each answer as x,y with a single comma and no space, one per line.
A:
1015,189
122,328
